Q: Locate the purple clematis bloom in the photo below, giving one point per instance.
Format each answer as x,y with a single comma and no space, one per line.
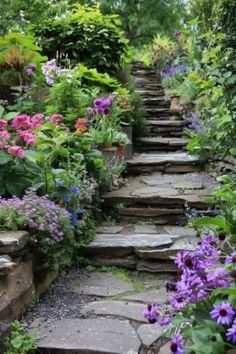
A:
176,345
223,313
231,333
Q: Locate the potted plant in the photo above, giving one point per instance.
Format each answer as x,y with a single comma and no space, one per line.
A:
120,140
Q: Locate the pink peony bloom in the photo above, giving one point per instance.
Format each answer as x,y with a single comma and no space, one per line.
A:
28,138
4,134
3,124
16,151
22,122
55,118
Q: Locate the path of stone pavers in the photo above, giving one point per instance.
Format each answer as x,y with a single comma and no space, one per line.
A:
111,321
163,180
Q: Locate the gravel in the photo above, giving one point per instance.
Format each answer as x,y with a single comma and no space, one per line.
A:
58,302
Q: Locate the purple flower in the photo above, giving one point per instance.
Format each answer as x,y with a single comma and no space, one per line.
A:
231,334
59,183
223,313
176,345
90,111
177,34
98,102
151,313
231,259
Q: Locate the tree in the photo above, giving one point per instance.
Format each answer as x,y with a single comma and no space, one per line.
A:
142,19
17,14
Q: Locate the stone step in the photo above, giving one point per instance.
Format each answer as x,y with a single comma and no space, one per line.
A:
155,102
88,336
165,128
166,163
162,198
143,72
150,93
165,117
161,143
159,111
145,243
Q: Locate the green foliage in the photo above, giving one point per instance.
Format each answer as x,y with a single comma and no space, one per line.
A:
141,20
19,341
225,202
16,14
85,36
17,51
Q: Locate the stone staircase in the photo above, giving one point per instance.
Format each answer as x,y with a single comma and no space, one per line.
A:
163,181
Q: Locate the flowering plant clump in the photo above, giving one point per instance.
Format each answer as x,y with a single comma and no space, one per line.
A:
49,224
202,305
51,71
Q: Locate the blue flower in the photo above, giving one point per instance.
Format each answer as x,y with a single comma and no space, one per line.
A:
73,220
59,183
74,189
80,210
67,198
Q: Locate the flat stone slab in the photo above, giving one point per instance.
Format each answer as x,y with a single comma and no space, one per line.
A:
150,333
180,231
90,336
183,244
145,229
119,244
160,159
157,295
164,190
109,229
165,349
121,309
100,284
12,241
163,141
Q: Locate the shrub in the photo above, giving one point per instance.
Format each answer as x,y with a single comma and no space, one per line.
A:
84,36
19,62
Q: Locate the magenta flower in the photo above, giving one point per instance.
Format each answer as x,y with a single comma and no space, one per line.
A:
223,313
16,151
231,334
176,345
3,124
177,34
4,134
98,102
28,138
55,118
22,122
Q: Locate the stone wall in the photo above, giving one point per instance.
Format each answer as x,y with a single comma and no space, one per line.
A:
19,285
221,167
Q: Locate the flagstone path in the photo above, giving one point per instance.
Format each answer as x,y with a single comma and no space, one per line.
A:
163,182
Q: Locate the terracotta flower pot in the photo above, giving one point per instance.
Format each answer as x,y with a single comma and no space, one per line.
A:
175,104
120,150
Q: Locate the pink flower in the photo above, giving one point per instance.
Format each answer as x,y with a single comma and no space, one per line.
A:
82,121
55,118
16,151
28,138
22,122
3,124
37,120
4,134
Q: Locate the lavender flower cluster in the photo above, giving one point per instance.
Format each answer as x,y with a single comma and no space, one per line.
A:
199,273
38,214
173,70
51,71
